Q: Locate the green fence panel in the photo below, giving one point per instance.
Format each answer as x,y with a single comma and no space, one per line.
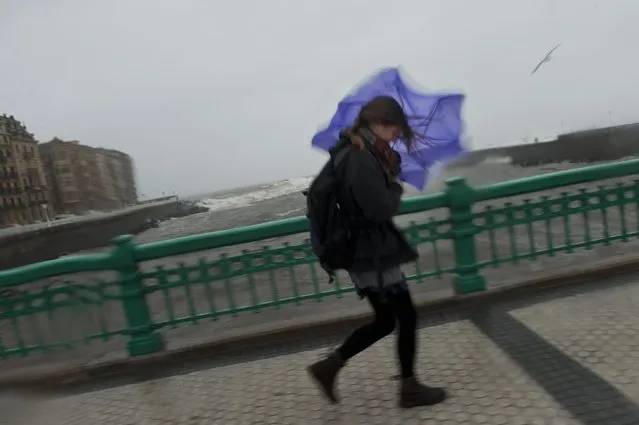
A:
459,233
267,277
61,316
56,314
570,221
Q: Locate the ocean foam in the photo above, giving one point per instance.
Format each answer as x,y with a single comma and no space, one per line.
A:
498,160
265,192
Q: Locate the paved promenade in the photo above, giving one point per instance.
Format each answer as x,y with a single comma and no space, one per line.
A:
566,356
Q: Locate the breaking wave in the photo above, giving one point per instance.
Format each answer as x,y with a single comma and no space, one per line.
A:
257,194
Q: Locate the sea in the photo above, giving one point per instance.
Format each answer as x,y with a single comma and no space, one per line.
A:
284,199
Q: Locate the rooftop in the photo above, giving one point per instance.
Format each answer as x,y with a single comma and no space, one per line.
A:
10,125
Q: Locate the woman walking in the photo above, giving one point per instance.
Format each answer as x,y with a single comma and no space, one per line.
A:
370,191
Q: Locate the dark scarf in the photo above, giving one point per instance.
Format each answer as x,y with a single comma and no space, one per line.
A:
389,160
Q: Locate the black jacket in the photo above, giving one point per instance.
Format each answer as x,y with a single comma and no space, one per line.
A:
374,201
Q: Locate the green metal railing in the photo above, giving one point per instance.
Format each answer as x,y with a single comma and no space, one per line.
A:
459,232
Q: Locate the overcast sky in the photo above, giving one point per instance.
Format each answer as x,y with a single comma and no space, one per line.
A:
210,94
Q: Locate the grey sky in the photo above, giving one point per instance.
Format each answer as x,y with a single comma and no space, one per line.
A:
216,94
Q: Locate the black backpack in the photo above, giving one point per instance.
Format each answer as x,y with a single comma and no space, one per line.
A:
332,238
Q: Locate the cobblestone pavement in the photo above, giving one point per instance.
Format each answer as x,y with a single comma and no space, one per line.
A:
564,357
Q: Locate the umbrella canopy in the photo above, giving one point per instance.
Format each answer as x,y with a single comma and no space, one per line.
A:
435,119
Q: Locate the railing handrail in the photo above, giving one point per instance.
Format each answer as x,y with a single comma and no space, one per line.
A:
57,267
556,179
220,238
257,232
285,227
294,225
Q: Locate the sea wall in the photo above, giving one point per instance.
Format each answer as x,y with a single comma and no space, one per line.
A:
33,244
603,144
28,245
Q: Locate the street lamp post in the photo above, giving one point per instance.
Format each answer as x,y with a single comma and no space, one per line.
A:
45,208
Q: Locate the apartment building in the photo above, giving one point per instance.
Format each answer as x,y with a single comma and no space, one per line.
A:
24,196
84,178
121,167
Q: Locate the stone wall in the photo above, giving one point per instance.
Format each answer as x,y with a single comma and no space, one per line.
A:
604,144
47,243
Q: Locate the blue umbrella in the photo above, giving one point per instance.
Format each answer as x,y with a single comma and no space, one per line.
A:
434,117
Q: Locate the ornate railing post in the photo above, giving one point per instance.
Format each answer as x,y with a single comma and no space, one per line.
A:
461,199
143,338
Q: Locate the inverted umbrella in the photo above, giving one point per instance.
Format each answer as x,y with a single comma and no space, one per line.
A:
434,117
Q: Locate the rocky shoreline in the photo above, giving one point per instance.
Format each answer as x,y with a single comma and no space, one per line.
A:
182,209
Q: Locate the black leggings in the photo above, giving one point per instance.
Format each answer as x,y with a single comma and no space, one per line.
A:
397,308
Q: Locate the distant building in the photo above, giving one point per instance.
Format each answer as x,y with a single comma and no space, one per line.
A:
121,167
84,178
24,196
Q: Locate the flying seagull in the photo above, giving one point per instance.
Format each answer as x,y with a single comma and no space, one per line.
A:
545,59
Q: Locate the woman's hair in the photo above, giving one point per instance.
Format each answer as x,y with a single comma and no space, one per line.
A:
386,111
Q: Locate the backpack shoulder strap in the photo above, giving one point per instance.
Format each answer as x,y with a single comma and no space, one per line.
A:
338,154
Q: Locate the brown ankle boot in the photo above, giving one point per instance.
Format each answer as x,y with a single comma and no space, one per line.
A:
324,373
414,394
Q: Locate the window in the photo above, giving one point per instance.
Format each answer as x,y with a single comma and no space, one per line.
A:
70,196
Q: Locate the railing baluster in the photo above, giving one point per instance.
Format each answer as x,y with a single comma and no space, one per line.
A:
565,212
492,239
530,217
585,204
413,238
620,194
203,269
166,292
225,267
548,224
102,320
512,236
603,206
268,261
433,233
248,266
186,283
288,260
